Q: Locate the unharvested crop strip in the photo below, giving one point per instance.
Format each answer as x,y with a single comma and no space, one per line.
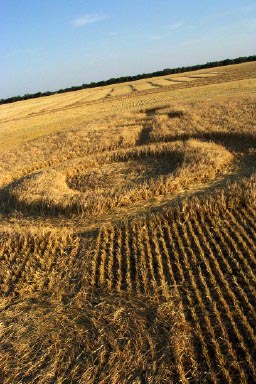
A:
117,259
131,257
160,256
163,251
151,260
144,262
110,250
102,258
127,275
138,283
95,260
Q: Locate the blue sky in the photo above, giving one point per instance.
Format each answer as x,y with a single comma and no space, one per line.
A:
53,44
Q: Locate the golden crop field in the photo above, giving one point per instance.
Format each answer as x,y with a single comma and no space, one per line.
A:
128,232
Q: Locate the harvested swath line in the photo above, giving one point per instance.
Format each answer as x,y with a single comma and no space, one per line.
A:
6,274
143,86
107,254
152,262
212,269
200,290
97,95
131,257
138,282
109,94
161,82
17,270
206,307
122,266
228,241
93,94
121,90
177,253
12,263
153,84
237,263
95,261
239,245
228,264
174,251
38,263
127,275
162,260
101,257
124,282
202,76
180,79
73,261
158,263
167,267
242,234
133,88
143,262
104,266
217,267
242,348
110,252
117,256
224,347
213,72
7,248
250,214
244,216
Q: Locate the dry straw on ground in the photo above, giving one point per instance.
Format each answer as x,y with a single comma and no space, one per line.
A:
127,233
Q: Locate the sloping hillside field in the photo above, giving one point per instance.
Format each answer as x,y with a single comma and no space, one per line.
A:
128,233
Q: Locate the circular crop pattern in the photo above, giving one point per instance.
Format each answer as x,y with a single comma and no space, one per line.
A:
122,178
126,173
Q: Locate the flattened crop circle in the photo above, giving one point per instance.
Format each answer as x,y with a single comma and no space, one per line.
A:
128,173
121,178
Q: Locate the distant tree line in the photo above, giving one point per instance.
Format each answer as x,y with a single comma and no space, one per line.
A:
123,79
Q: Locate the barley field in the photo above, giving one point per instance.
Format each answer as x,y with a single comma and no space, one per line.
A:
128,232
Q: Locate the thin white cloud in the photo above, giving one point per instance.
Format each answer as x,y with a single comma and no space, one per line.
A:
177,25
87,19
244,9
19,52
113,34
159,37
248,8
194,42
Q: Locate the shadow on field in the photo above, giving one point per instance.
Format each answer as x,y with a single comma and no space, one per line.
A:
144,136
